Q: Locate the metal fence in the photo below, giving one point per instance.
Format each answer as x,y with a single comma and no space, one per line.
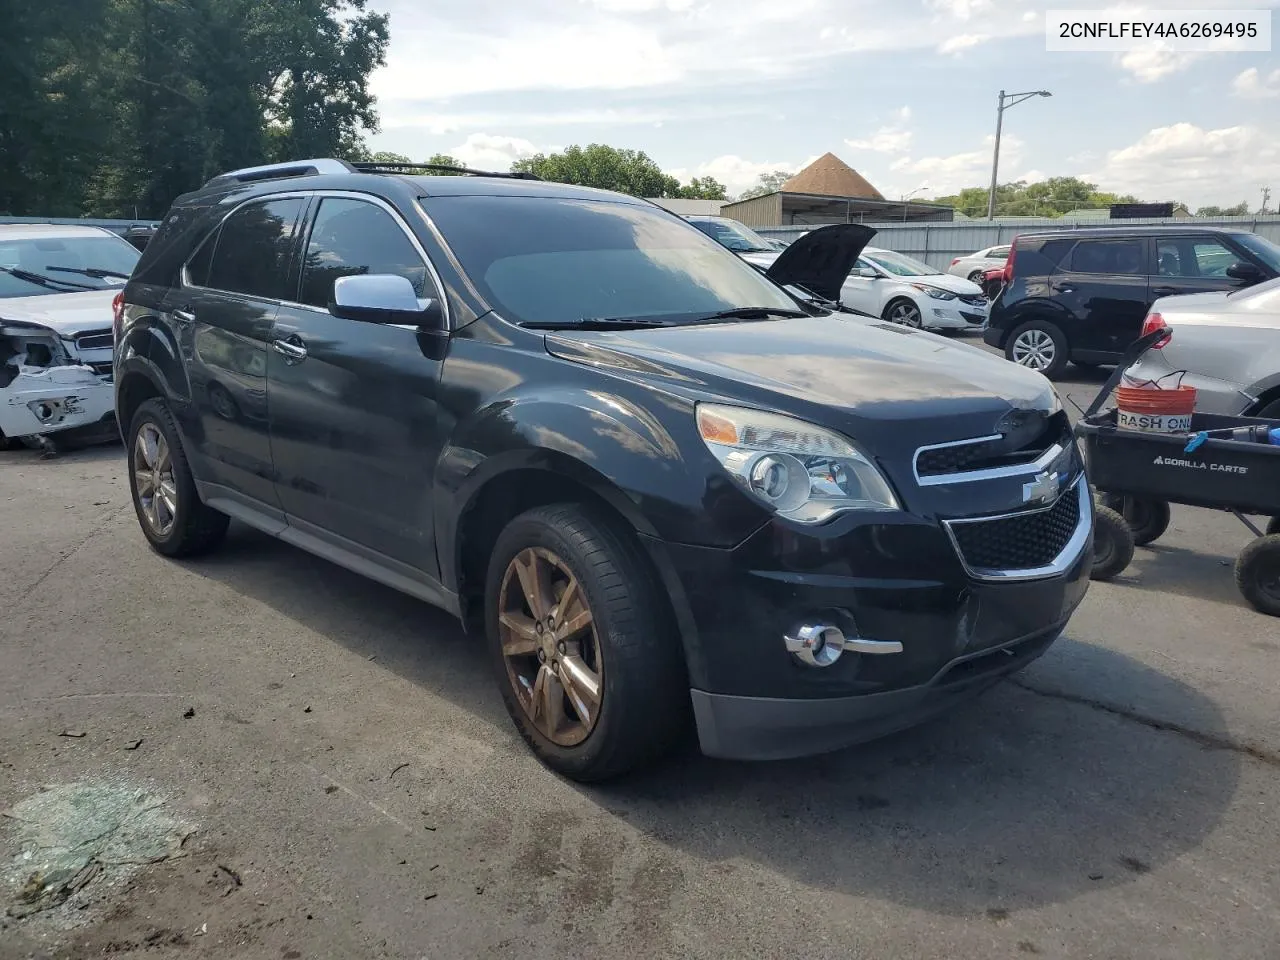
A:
937,244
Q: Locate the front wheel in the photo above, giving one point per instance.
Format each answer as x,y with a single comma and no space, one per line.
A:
1258,574
173,519
1040,346
580,633
904,312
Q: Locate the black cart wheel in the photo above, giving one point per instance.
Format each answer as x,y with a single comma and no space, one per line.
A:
1258,574
1274,525
1112,544
1147,517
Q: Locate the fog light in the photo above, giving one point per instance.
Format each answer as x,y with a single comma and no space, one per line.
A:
816,644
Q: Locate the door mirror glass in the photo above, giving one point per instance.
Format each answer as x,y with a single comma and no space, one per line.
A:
866,273
383,298
1244,271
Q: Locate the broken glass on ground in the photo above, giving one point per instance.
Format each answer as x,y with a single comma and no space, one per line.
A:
70,835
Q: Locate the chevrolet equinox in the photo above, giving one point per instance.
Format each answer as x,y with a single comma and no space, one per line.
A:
667,488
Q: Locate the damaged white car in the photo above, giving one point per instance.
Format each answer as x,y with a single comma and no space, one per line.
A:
57,284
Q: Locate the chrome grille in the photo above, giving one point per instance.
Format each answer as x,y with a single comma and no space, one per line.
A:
1030,543
1016,448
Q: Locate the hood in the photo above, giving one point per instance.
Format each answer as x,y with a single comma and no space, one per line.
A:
66,314
821,259
946,282
844,374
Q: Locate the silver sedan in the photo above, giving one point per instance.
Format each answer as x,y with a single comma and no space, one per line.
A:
1228,344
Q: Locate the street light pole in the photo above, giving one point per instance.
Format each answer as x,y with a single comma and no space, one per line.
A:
1006,101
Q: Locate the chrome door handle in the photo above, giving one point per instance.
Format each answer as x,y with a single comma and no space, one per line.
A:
292,349
184,316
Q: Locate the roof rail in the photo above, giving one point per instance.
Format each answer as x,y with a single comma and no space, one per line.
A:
273,171
413,168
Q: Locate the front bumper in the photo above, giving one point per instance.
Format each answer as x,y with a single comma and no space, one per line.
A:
895,578
47,400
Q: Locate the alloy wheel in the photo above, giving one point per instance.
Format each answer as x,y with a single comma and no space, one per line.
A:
907,314
153,479
550,646
1034,349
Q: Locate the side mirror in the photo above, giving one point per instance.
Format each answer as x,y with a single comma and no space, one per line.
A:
866,273
1244,271
383,298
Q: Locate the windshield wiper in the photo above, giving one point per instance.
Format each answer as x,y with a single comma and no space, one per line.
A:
98,273
753,313
596,323
42,280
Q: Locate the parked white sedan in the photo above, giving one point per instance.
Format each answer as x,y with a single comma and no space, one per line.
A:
904,290
1228,344
975,265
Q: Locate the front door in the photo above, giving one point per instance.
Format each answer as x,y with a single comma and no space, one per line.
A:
353,405
1193,265
221,318
1103,286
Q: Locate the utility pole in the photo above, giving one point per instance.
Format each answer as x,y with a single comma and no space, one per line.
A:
1013,100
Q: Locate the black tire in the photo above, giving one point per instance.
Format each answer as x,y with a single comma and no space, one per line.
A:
1112,544
644,707
1147,517
1258,574
1273,526
975,276
1054,351
893,306
196,528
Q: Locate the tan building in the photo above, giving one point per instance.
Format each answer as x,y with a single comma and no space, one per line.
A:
829,191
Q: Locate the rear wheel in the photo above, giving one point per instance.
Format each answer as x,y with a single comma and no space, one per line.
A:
1258,574
173,519
976,277
1040,346
904,312
590,666
1112,544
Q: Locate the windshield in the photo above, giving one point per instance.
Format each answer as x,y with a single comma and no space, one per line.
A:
1262,248
900,265
39,266
733,236
546,259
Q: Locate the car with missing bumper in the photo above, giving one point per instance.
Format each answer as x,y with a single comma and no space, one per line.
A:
57,284
662,489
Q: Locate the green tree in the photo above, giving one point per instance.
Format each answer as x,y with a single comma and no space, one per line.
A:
1241,209
1047,198
605,167
703,188
767,183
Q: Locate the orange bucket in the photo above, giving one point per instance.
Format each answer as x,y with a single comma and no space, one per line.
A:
1151,409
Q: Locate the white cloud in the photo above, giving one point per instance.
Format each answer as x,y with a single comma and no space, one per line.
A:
945,174
962,9
892,138
736,173
1189,163
485,151
1252,85
1151,64
961,42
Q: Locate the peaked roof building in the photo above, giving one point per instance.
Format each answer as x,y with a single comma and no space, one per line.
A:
829,191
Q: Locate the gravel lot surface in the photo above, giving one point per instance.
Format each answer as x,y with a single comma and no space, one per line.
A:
347,783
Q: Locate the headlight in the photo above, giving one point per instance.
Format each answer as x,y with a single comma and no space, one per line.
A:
804,472
936,292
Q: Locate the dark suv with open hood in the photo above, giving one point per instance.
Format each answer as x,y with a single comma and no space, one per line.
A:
660,483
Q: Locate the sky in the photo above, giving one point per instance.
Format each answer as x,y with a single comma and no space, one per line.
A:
904,91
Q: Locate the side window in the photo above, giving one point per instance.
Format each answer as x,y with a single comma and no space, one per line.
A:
1122,257
254,248
1212,259
352,237
1169,259
998,253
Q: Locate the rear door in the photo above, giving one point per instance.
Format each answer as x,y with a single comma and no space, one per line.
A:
1192,264
221,316
1103,285
353,411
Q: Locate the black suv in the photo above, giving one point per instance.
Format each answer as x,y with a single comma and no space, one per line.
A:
658,482
1082,296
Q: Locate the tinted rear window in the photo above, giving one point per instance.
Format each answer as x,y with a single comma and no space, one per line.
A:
1115,257
254,249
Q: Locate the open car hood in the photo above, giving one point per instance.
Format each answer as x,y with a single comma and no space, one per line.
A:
822,259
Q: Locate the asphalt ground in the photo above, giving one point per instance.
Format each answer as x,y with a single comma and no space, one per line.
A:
350,786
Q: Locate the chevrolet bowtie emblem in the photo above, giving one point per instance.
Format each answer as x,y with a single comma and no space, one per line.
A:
1042,489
